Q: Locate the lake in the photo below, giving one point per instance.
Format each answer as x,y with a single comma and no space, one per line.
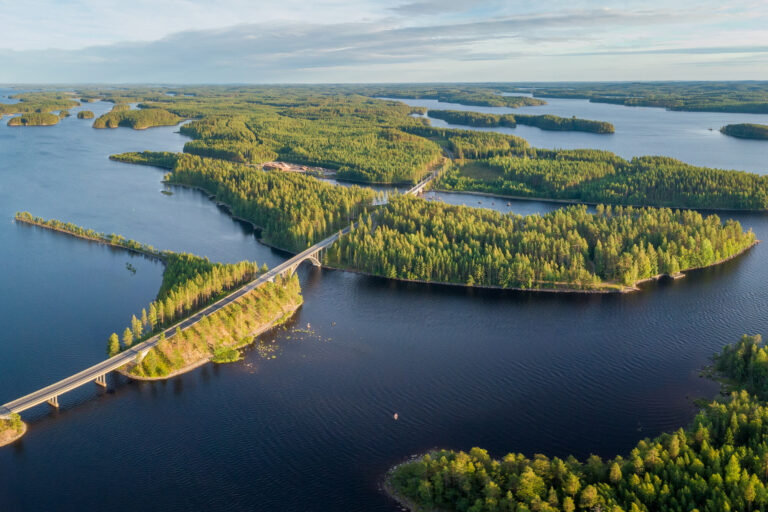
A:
692,137
312,428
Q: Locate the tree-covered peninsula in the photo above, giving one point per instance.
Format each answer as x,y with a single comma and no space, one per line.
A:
294,211
746,131
34,119
599,176
569,249
137,119
38,103
719,463
544,121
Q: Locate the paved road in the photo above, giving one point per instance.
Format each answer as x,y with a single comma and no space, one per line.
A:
130,355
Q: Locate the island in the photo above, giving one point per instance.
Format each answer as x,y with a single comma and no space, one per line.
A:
64,113
543,122
718,463
746,131
85,114
569,250
137,119
34,119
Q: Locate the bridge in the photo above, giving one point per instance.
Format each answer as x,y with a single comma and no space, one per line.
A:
97,373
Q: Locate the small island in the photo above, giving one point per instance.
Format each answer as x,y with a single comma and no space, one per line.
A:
137,119
34,119
64,113
11,429
746,131
85,114
543,122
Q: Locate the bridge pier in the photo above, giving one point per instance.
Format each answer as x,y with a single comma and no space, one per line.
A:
101,380
54,402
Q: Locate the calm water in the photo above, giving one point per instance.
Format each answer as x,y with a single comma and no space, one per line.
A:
312,429
692,137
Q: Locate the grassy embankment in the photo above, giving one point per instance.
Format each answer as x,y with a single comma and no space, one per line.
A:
11,429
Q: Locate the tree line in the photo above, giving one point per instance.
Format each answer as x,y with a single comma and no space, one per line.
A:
34,119
746,131
219,336
544,121
293,210
415,239
600,176
190,283
137,119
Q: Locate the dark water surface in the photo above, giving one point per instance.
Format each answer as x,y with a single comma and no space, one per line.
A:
692,137
312,429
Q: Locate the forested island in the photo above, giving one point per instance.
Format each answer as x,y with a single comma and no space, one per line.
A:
566,250
38,103
137,119
34,119
596,176
746,97
720,462
293,211
746,131
85,114
543,122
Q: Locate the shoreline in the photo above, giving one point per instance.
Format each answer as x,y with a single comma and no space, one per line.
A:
588,203
16,437
90,239
284,316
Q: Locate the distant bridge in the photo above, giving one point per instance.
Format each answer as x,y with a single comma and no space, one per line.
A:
97,373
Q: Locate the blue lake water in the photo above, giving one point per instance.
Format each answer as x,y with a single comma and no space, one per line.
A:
692,137
313,428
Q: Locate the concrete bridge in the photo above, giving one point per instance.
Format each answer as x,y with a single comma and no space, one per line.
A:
97,373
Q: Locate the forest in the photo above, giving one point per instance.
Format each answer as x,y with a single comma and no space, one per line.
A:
544,122
34,119
85,114
569,249
163,159
137,119
218,337
190,283
746,131
38,103
601,177
294,211
719,463
746,97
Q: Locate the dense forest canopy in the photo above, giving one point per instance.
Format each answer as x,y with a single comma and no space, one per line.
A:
137,119
747,97
544,121
746,131
600,176
719,463
294,211
34,119
415,239
38,103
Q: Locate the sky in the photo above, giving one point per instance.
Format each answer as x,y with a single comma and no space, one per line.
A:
333,41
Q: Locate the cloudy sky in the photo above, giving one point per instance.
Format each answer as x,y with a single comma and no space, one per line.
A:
258,41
